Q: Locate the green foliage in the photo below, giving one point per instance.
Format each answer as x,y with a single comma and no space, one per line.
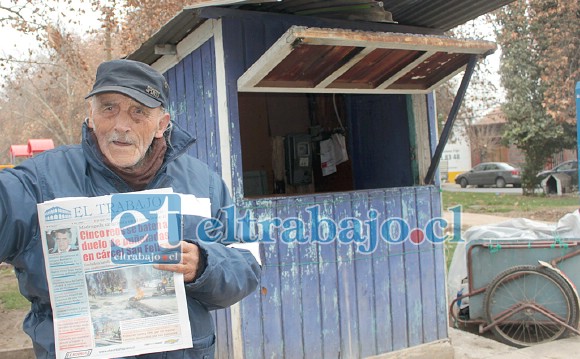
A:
10,297
529,126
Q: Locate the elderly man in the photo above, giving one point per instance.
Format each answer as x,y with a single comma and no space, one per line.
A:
128,144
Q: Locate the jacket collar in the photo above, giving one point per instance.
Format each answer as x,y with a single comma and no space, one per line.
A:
179,141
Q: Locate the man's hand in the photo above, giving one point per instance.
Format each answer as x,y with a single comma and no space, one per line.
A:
189,262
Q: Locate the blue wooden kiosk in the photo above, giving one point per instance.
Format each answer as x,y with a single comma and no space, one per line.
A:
244,81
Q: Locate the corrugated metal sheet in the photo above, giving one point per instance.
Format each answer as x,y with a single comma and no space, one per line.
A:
434,14
440,14
338,60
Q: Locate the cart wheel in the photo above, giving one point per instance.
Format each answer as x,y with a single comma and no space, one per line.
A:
525,291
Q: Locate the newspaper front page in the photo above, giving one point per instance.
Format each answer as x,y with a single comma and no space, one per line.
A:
107,299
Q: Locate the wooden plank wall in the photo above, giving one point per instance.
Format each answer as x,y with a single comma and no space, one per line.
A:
380,142
193,105
332,301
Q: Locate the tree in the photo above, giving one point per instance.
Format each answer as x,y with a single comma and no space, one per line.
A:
44,94
559,39
35,18
529,126
481,95
139,19
42,89
46,99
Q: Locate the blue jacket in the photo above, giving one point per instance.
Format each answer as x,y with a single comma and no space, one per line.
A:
77,170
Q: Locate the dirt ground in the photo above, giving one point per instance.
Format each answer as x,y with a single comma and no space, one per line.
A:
547,215
12,335
11,328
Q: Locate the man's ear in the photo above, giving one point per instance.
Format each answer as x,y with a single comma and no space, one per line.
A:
163,123
89,113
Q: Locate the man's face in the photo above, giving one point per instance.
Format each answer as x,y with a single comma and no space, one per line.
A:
62,241
124,127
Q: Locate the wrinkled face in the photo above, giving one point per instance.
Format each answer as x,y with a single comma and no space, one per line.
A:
124,127
62,241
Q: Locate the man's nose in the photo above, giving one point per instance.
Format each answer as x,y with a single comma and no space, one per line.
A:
123,121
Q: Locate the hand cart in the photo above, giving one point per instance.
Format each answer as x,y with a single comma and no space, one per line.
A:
524,291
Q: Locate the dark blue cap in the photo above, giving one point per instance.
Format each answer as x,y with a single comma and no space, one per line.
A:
134,79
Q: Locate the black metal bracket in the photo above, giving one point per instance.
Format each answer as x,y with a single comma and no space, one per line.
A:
446,132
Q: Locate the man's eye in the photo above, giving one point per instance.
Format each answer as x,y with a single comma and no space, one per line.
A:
140,113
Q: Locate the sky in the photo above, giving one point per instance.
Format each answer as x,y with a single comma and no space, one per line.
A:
15,42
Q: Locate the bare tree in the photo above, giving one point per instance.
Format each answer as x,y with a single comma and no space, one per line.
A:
44,92
482,93
45,96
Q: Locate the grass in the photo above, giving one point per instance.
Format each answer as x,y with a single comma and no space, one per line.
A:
10,297
493,202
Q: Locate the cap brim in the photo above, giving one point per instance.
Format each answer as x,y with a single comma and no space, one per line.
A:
136,95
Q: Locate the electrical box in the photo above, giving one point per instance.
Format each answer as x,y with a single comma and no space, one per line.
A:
298,155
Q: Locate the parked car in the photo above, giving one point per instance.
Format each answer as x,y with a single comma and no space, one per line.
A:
491,173
569,167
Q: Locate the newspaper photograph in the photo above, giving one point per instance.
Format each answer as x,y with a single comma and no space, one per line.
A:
107,298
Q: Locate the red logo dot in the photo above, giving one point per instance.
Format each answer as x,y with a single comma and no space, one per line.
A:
417,236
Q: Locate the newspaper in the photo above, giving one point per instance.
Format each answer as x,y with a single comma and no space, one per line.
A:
107,299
